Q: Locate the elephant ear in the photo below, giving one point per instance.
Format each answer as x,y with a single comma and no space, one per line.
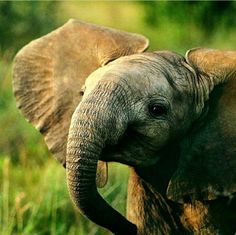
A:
49,72
207,165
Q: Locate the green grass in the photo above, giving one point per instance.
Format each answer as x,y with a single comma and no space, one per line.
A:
35,200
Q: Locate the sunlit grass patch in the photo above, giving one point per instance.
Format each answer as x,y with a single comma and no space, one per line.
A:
35,200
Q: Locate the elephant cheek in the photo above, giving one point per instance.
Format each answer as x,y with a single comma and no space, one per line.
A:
154,135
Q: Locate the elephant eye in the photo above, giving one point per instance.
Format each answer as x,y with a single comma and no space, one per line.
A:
157,110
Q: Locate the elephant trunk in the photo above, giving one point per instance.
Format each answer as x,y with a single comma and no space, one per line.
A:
97,121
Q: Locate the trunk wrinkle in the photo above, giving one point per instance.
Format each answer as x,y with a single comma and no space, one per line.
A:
100,119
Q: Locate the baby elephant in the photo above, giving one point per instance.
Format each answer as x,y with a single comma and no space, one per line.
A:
96,96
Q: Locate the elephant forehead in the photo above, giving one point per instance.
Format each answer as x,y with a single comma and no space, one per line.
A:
165,68
137,72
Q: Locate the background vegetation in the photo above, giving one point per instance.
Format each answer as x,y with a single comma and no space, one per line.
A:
33,194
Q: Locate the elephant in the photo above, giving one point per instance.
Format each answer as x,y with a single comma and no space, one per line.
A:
97,95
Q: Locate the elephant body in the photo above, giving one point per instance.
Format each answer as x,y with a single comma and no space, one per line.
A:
148,186
97,97
155,214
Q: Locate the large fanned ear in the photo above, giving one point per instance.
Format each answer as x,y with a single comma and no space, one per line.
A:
49,72
217,64
207,167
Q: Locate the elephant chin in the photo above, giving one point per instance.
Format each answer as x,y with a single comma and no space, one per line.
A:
88,135
138,158
132,150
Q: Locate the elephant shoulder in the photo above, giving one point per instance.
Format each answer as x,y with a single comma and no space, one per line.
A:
207,165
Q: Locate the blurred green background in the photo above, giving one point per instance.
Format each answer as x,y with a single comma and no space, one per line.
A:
33,194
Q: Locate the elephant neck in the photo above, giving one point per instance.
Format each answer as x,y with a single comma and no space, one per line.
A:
159,175
148,206
151,211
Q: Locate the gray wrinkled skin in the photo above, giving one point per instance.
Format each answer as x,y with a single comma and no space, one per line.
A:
172,119
147,79
155,144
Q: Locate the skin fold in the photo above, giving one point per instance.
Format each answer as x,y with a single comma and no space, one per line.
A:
170,118
141,145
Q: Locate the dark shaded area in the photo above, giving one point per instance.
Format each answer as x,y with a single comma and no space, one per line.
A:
21,22
207,15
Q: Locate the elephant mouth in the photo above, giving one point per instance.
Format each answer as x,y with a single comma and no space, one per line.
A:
132,149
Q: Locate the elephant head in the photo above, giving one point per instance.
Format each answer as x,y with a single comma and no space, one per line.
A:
132,108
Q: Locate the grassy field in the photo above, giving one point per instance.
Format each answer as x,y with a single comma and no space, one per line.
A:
33,194
35,200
